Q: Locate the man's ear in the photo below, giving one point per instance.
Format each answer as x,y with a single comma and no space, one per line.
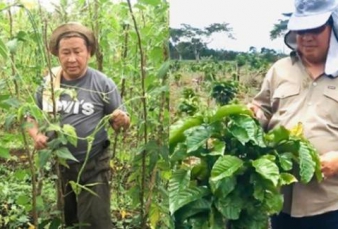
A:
89,48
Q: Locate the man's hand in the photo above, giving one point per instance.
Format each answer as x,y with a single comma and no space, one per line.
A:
40,141
254,108
119,119
329,163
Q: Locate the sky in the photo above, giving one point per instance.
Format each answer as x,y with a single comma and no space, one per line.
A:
251,21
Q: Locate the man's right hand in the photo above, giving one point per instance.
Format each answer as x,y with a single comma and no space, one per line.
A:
254,108
40,141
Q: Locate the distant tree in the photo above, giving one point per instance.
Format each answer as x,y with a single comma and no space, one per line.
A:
196,37
280,28
252,49
270,55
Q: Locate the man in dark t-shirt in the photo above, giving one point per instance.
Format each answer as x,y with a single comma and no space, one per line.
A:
96,96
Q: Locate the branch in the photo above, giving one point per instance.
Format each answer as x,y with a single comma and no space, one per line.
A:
144,102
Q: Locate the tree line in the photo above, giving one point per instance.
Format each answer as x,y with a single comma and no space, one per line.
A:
191,43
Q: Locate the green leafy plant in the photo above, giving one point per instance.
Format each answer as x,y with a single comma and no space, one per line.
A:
224,92
189,103
133,51
228,172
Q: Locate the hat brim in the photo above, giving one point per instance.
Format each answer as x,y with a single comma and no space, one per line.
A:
290,40
308,22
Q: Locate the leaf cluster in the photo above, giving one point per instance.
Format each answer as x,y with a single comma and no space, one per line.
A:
224,92
228,171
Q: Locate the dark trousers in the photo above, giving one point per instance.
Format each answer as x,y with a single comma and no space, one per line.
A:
88,211
327,220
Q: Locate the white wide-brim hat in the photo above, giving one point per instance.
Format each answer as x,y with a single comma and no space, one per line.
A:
310,14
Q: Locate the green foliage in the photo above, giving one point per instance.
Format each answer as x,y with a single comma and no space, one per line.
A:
15,201
142,152
227,170
189,103
224,92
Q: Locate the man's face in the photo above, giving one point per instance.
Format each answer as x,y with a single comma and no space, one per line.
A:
314,44
73,56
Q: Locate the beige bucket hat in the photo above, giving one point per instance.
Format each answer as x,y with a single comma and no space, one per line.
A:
71,27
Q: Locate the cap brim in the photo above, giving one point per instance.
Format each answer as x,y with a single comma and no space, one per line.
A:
308,22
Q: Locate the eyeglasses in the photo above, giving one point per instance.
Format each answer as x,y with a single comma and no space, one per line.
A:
314,31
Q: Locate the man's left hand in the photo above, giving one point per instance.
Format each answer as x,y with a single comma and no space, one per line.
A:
329,163
119,119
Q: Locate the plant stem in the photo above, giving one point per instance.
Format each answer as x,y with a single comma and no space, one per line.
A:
123,86
16,86
99,56
60,202
144,103
33,174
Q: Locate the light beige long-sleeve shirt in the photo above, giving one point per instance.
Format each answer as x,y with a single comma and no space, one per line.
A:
288,96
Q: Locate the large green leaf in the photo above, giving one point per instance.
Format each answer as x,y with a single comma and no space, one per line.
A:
230,109
273,202
193,208
316,159
279,134
245,129
64,153
3,50
306,164
225,166
287,178
239,133
221,188
218,148
44,156
259,139
176,134
179,180
230,207
196,137
186,196
70,133
4,153
289,146
285,160
267,169
13,102
180,153
318,168
164,69
259,188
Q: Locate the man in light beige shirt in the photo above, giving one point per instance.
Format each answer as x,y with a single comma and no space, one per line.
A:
304,88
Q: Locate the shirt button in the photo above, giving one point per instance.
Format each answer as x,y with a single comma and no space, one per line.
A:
314,84
309,104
